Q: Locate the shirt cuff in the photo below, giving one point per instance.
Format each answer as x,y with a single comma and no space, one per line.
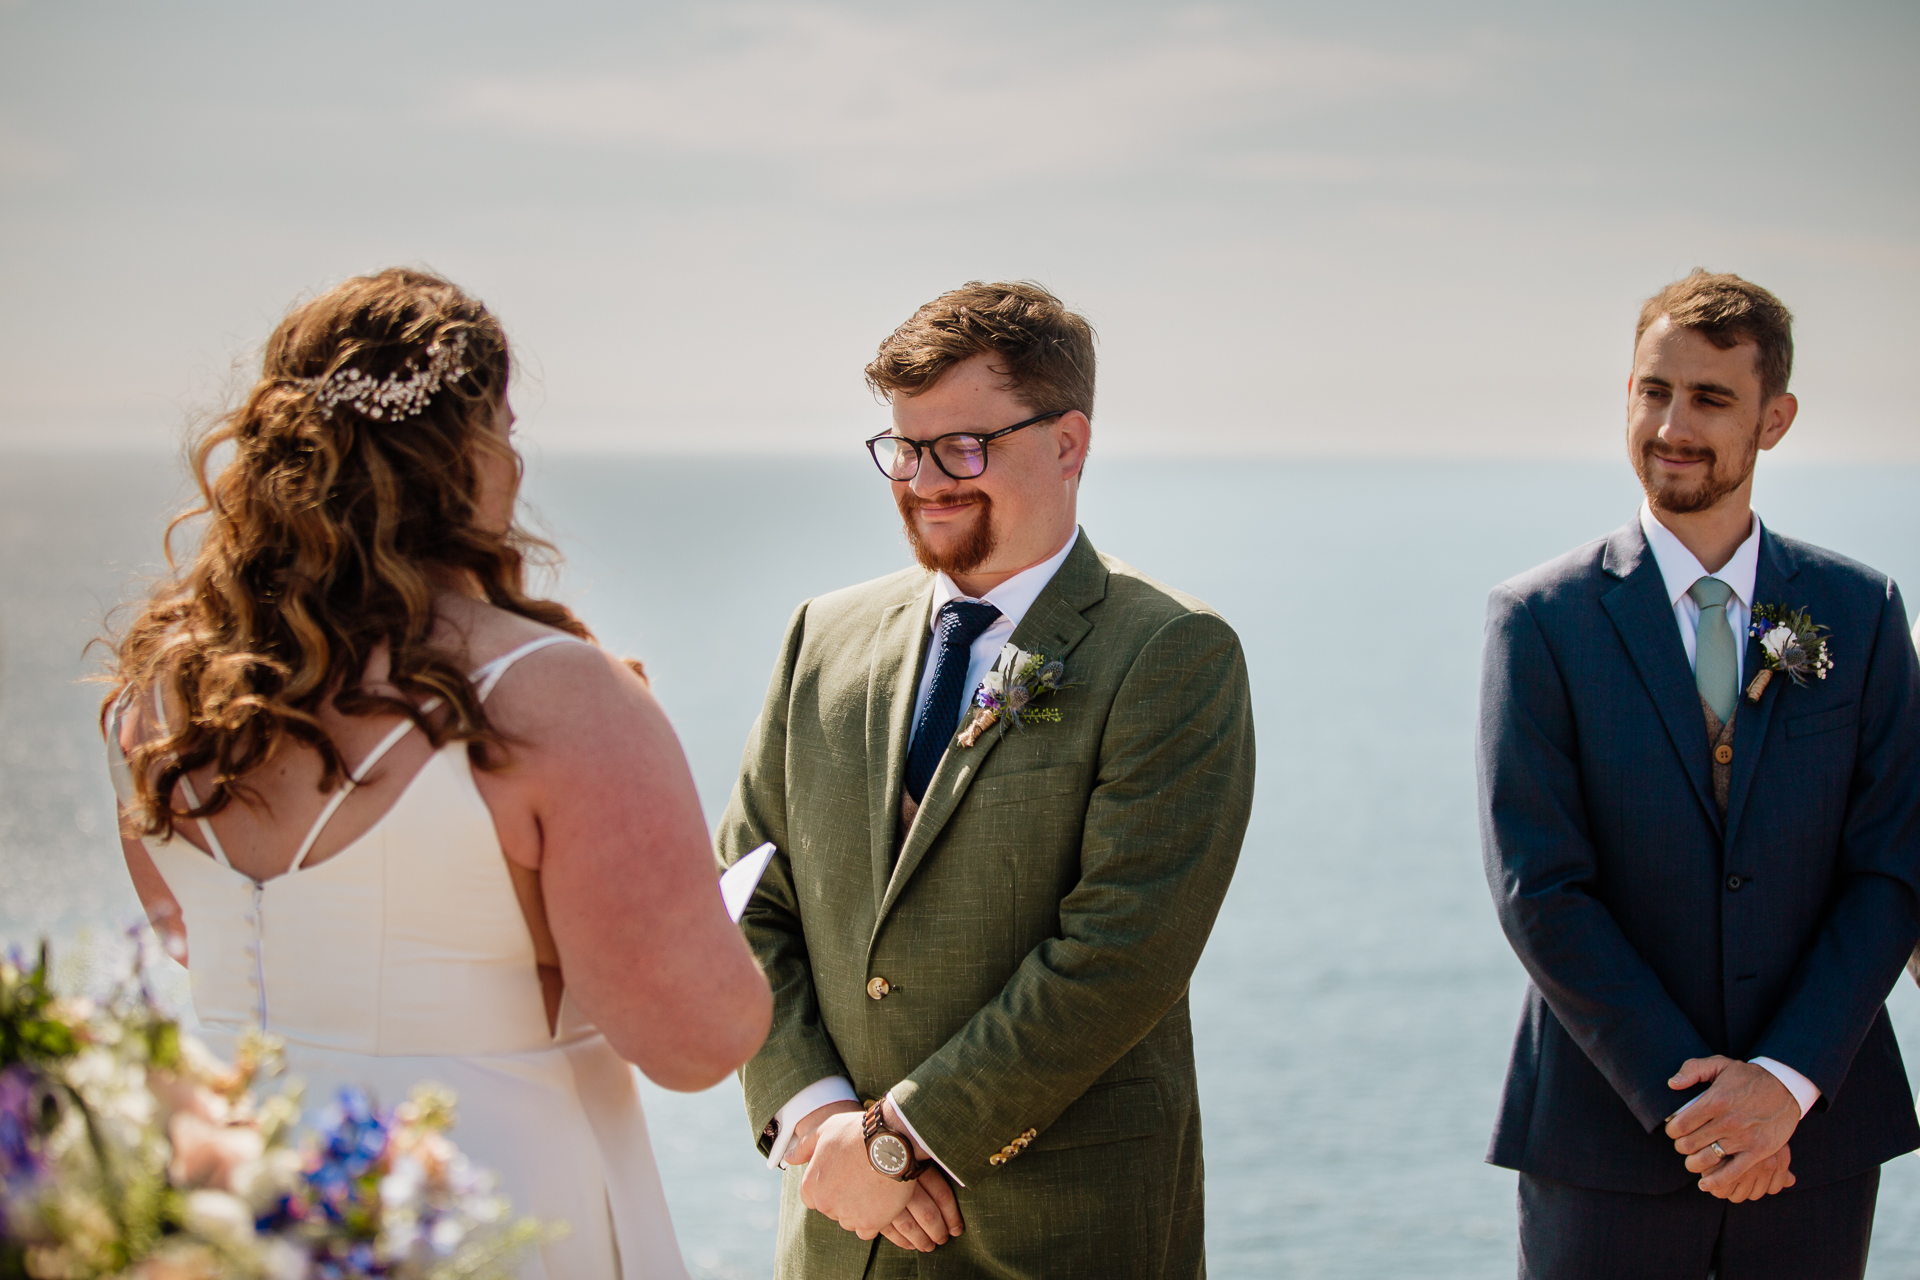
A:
951,1177
1804,1091
800,1106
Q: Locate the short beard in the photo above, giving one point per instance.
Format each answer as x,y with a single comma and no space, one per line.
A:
969,554
1703,495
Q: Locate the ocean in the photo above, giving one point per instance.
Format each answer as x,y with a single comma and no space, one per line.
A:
1354,1008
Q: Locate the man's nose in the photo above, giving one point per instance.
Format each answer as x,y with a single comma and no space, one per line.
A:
930,479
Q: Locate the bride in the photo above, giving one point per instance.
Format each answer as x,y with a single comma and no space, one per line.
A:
392,809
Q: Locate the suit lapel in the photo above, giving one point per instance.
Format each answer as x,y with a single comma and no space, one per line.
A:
1643,615
1777,565
1054,626
893,679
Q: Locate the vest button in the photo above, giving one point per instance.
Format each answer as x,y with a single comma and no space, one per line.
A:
878,987
1723,754
1734,883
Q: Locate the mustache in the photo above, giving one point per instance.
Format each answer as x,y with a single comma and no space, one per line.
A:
1678,453
911,501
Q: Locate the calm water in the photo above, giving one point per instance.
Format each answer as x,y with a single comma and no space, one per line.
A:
1354,1008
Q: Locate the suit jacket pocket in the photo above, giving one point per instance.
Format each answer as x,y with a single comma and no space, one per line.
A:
1025,786
1824,721
1115,1112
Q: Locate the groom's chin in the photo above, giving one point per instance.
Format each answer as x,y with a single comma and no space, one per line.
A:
951,550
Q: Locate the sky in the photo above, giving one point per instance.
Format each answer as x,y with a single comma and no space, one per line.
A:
1371,229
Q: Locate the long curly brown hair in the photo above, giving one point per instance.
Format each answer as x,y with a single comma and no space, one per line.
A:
327,534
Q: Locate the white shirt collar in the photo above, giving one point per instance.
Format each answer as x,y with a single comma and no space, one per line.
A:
1680,568
1014,596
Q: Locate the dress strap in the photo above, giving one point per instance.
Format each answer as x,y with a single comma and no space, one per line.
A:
489,675
486,677
214,846
354,779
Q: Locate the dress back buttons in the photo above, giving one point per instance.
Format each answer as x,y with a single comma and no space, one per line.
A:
878,987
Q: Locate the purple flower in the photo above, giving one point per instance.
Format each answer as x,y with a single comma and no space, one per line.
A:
17,1158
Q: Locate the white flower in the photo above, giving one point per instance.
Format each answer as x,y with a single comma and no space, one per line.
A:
1010,658
1775,642
219,1218
281,1259
994,682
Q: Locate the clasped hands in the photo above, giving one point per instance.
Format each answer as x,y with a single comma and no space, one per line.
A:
1749,1113
842,1183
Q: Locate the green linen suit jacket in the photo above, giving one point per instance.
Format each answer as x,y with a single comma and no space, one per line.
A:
1037,929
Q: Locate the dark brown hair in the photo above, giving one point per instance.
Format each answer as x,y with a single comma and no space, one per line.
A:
1726,311
1045,349
326,534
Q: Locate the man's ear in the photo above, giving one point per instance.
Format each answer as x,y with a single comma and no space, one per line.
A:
1777,418
1075,435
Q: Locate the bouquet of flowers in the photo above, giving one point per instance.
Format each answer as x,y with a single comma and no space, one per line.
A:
127,1151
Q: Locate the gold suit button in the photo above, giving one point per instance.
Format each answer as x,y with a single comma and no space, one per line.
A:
877,987
1723,754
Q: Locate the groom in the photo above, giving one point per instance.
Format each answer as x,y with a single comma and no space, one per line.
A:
980,924
1711,879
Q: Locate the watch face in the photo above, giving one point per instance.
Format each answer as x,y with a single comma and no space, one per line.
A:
889,1155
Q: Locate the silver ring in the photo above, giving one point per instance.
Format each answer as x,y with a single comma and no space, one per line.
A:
1717,1149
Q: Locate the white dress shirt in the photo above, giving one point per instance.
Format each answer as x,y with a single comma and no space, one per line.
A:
1013,598
1679,570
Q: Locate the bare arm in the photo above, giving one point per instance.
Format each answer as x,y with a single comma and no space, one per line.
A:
599,798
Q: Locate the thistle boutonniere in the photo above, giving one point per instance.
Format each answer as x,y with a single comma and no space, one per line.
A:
1017,681
1790,641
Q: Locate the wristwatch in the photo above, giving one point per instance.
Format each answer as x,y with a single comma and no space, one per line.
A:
888,1151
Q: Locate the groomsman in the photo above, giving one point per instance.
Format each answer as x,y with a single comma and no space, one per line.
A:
994,875
1699,761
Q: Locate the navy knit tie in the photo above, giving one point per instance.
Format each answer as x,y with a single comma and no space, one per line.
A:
959,624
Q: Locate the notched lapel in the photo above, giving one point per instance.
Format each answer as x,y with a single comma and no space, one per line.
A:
893,678
1643,616
1054,626
1777,566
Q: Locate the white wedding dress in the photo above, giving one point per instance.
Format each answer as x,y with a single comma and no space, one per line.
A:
405,958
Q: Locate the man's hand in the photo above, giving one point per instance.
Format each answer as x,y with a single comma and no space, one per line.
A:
842,1183
1766,1177
1748,1112
931,1218
805,1133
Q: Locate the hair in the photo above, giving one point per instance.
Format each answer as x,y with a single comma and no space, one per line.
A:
326,535
1047,350
1726,311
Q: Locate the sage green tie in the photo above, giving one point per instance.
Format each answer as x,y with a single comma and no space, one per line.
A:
1716,663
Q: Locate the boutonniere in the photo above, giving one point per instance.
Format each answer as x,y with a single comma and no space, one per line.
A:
1017,681
1790,641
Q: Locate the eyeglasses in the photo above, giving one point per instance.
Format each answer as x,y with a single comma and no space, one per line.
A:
961,454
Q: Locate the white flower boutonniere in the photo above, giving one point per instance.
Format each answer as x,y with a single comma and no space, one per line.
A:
1790,641
1017,681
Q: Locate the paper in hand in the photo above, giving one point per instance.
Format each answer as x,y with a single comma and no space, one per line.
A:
738,881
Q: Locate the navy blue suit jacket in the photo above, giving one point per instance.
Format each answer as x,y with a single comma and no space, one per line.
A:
1652,929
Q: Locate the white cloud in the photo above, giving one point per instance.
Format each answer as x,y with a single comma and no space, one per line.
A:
912,106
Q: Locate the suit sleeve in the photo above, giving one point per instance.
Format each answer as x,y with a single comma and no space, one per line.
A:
1542,869
1840,985
1164,822
798,1052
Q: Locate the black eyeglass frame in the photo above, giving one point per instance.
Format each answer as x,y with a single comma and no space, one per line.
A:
927,446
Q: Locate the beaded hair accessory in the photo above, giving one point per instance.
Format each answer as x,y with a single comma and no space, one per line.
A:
395,396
